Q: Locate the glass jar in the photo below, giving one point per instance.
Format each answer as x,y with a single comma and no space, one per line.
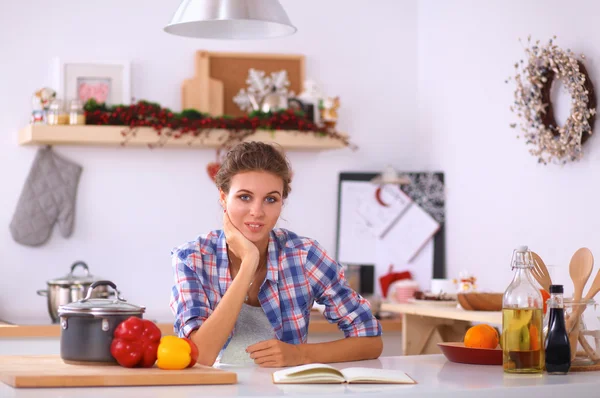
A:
588,345
56,113
76,113
522,338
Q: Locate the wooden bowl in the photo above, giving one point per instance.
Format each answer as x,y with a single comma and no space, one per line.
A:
457,352
480,301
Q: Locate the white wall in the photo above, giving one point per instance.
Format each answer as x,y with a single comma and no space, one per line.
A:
135,204
498,196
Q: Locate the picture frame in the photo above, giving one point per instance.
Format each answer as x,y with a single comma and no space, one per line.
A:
105,81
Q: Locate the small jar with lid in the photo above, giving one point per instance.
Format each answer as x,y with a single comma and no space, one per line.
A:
587,313
76,113
56,113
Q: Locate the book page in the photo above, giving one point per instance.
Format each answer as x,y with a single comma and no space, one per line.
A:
368,375
312,373
354,234
381,206
410,234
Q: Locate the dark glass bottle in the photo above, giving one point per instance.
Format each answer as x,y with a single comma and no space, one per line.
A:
558,349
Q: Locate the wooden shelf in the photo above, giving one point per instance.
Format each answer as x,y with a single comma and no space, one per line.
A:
39,134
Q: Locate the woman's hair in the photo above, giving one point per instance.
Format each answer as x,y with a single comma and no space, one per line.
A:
254,156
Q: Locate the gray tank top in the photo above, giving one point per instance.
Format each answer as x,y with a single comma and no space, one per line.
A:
251,327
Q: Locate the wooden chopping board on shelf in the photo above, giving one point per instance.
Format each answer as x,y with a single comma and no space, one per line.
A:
50,371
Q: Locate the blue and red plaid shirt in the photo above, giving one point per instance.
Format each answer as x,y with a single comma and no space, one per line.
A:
299,273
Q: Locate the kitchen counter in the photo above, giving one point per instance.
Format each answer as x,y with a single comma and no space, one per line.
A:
44,329
436,377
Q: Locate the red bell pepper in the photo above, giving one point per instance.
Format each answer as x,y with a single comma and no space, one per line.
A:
135,343
194,353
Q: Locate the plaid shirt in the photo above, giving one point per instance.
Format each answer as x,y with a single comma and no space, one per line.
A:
299,272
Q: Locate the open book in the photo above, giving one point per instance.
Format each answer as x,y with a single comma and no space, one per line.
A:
318,373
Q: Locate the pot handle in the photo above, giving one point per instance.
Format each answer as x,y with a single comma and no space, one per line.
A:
82,264
102,283
42,293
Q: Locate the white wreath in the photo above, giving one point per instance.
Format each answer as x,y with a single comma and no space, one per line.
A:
556,144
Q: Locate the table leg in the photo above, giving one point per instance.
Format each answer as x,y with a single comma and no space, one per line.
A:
420,334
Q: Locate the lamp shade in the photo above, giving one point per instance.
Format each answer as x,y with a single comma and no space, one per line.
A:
230,19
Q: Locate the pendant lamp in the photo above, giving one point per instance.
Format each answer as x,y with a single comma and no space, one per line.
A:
230,19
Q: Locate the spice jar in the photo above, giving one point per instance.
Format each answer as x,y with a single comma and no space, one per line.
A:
76,113
56,113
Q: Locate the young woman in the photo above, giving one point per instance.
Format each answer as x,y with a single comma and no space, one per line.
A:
244,294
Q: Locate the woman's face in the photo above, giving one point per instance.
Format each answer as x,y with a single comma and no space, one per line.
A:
254,203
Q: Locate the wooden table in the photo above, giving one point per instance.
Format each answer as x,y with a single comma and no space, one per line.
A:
424,325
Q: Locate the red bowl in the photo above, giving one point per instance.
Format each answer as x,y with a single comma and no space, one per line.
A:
457,352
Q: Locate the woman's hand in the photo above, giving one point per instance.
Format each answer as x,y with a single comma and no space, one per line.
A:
237,242
275,353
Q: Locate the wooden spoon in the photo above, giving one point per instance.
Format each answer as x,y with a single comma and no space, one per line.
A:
577,311
594,289
580,269
540,272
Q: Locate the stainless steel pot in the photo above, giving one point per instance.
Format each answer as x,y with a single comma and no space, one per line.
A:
87,326
70,288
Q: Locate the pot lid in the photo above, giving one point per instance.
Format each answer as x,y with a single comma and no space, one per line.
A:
71,279
101,306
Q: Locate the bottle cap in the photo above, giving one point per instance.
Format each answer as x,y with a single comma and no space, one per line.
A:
556,289
522,249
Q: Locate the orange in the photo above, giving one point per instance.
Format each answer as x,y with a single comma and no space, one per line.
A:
492,329
481,336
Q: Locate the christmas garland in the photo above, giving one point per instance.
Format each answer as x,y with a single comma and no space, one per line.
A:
191,123
557,144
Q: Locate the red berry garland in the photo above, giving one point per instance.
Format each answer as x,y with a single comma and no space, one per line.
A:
169,124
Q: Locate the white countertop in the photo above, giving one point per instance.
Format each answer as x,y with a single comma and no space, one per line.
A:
436,377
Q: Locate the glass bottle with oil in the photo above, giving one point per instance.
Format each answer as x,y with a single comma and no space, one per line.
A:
522,318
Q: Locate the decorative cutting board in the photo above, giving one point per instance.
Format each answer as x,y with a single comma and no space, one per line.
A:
22,371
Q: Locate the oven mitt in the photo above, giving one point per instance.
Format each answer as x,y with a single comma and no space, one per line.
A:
48,196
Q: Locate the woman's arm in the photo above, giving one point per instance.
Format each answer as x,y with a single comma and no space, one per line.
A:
275,353
213,333
343,350
343,306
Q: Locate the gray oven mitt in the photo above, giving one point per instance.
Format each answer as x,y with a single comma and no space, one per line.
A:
48,196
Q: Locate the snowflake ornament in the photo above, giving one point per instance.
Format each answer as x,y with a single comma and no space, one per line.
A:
259,86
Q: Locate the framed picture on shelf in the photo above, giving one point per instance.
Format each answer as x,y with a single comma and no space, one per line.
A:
105,81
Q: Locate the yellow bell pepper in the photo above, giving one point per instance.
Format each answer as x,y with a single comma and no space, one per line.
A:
173,353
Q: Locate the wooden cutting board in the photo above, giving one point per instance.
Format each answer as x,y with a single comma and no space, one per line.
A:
50,371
